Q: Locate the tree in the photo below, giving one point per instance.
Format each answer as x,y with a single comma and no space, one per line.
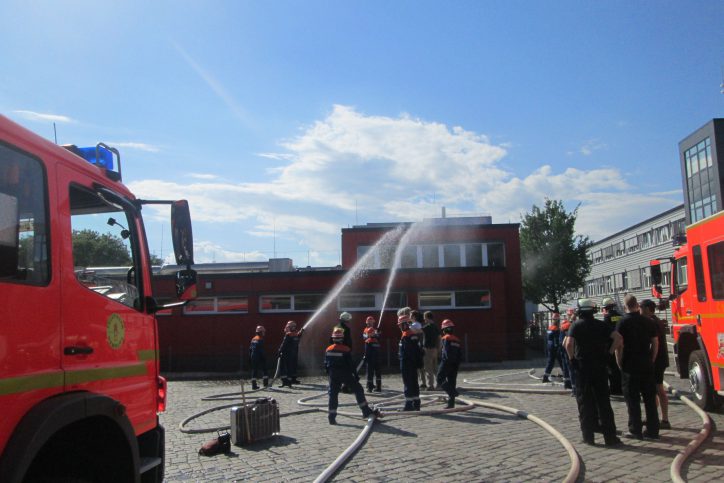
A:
554,258
93,249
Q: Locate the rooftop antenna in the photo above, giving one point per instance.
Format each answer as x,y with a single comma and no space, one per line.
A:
55,134
274,224
722,79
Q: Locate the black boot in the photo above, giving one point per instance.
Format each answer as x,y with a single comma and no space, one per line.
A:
295,380
266,381
378,386
254,385
450,403
332,418
416,404
285,382
370,387
546,378
408,406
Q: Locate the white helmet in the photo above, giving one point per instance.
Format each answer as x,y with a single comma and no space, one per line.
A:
346,316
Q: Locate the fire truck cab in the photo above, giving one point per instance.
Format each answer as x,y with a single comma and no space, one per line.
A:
80,389
697,308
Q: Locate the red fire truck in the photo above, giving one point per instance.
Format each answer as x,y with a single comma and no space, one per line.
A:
80,389
697,307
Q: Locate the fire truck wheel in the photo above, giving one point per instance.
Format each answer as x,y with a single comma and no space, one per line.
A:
699,379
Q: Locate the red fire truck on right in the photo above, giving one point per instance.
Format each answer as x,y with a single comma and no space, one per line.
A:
697,308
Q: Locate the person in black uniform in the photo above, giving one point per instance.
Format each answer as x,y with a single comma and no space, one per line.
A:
339,367
447,372
588,348
612,317
648,309
256,356
288,353
636,360
411,359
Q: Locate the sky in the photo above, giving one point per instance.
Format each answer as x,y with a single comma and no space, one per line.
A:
283,122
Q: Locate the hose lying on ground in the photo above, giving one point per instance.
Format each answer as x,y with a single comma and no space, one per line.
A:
695,443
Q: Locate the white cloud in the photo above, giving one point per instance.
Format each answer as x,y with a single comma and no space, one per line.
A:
203,176
592,145
150,148
397,169
43,117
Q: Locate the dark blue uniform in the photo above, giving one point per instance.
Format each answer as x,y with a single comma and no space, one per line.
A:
372,358
258,360
447,372
339,367
553,344
288,353
411,359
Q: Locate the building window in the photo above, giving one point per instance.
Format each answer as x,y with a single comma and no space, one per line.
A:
409,257
290,303
430,256
371,301
474,255
201,305
455,299
217,305
232,304
275,303
451,255
496,254
646,277
308,302
609,284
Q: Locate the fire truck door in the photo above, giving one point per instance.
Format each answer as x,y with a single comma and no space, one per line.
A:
108,342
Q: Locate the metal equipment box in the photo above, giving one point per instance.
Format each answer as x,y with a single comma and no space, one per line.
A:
254,421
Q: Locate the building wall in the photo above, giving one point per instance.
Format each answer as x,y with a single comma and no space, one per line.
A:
620,262
219,340
702,157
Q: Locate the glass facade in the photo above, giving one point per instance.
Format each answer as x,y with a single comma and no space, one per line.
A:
701,180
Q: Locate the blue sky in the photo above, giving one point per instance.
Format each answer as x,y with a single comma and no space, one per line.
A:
283,122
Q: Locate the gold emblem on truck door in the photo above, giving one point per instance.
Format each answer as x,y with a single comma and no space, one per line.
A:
115,331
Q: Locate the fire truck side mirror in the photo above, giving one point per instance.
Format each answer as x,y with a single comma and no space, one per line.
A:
655,268
186,284
183,240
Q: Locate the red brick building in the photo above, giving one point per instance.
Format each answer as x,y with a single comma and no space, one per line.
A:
464,269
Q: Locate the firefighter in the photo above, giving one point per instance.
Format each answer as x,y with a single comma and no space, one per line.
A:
344,318
411,359
288,352
447,372
588,344
256,355
339,367
371,337
553,343
612,317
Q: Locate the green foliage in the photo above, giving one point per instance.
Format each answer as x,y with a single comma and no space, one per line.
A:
156,260
93,249
554,259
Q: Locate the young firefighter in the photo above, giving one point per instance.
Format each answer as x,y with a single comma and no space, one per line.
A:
372,355
411,360
288,353
339,367
258,361
447,373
